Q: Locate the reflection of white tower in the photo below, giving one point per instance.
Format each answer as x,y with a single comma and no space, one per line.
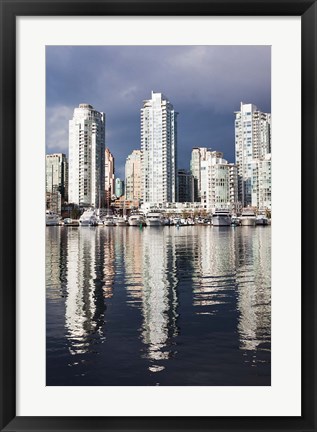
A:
80,301
53,255
133,266
109,261
217,272
254,293
159,295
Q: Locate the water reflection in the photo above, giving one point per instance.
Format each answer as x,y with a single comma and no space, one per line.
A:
134,266
215,283
159,300
75,262
160,290
254,295
108,242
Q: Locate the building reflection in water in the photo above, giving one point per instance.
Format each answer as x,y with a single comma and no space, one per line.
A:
214,284
55,268
234,269
84,304
159,299
253,261
134,266
108,240
159,273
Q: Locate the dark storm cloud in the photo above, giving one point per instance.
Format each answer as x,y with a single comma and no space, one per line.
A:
205,84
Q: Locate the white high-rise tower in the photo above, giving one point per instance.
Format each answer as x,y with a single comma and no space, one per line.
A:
252,145
159,150
87,157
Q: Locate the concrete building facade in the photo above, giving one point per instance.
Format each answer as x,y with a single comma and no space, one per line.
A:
86,156
56,176
133,176
218,183
159,150
252,144
109,177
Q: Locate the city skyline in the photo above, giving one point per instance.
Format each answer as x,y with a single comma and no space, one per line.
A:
205,83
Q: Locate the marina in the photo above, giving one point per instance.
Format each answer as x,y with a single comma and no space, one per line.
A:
220,218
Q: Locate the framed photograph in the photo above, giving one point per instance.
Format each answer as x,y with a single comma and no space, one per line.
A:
172,148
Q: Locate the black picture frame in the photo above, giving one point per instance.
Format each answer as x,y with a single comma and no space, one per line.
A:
11,9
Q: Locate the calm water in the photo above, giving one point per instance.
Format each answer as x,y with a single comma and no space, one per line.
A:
158,306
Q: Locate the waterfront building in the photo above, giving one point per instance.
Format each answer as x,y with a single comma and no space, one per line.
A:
218,180
109,177
159,150
261,183
119,188
252,144
235,205
86,156
123,206
198,155
56,181
185,186
133,176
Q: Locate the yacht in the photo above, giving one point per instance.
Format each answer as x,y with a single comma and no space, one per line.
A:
154,219
221,218
166,221
235,221
88,218
71,222
109,220
121,221
136,219
176,221
248,217
52,218
261,219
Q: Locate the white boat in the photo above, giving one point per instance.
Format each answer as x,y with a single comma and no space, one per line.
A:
109,221
154,219
221,218
89,218
136,219
176,221
52,218
71,222
235,221
261,219
120,221
248,217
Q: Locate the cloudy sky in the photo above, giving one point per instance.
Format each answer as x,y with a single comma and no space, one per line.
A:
204,83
